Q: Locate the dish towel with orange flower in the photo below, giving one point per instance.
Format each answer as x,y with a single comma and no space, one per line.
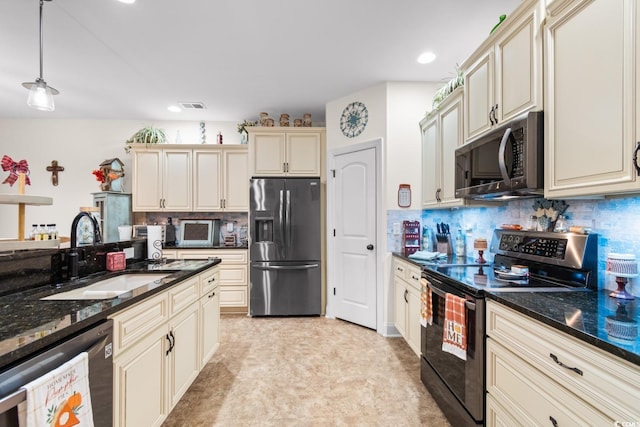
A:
61,397
426,305
454,336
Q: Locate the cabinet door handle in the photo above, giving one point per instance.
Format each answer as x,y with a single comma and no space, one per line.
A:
553,421
284,167
168,349
555,359
438,199
173,337
405,296
635,158
491,115
213,294
495,114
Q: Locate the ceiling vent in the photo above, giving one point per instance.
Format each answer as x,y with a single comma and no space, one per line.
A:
193,105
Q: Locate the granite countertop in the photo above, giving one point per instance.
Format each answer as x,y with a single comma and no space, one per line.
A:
29,324
582,314
204,247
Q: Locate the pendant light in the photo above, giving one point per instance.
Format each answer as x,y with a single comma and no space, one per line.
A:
40,94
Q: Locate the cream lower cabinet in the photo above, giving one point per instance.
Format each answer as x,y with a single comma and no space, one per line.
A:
537,375
503,78
234,275
592,111
286,151
407,302
159,348
441,135
209,315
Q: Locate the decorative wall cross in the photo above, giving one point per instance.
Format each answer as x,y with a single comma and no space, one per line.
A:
54,169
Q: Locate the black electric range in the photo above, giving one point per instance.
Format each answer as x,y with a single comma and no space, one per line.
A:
552,262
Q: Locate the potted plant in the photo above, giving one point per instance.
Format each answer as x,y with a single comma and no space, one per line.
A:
147,135
242,129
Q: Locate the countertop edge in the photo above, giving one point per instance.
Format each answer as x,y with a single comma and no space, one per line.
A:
16,356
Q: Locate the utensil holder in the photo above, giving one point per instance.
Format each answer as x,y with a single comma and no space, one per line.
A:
444,246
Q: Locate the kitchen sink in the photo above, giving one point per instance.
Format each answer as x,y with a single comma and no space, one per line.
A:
111,287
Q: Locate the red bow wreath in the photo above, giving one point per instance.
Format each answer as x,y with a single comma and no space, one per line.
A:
14,169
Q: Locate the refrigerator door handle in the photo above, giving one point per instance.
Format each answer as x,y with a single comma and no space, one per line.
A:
286,267
289,221
281,220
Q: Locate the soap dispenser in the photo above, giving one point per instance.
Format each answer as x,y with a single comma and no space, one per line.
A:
460,246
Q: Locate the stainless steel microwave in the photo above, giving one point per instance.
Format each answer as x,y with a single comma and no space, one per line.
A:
506,162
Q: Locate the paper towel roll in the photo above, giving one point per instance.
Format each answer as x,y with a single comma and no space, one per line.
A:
154,241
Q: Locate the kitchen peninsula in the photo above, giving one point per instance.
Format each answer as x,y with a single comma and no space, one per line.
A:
178,313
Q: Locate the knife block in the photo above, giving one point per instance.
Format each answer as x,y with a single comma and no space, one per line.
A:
444,247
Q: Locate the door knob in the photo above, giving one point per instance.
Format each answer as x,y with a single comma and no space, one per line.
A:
370,247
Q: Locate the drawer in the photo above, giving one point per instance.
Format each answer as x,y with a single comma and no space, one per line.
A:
606,381
228,256
184,295
132,324
233,274
531,397
400,268
209,280
408,272
233,296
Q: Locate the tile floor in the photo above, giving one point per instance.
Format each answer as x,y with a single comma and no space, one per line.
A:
308,371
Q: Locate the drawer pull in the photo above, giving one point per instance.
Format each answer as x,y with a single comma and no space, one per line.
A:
213,294
213,279
555,359
553,421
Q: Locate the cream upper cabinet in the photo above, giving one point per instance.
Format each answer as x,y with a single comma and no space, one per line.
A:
591,97
503,78
539,375
221,179
183,179
286,152
441,135
161,179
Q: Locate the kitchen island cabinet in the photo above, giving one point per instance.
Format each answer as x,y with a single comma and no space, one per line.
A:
503,77
160,346
591,98
539,375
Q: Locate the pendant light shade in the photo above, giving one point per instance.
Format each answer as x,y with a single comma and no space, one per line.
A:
40,94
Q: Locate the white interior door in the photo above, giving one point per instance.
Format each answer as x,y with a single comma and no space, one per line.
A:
354,205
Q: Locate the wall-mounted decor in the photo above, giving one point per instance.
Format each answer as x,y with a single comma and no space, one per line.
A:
354,119
54,169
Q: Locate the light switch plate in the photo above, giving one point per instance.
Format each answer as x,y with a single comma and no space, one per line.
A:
396,228
230,227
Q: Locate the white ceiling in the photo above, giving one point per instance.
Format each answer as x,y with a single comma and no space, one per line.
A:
115,61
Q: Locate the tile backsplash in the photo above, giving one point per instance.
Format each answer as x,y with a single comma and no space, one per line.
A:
616,220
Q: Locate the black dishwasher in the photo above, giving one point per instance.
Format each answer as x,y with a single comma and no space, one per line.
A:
97,341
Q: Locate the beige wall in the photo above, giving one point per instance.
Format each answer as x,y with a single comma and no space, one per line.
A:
79,146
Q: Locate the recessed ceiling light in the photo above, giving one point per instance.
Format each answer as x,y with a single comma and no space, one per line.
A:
426,58
127,1
174,108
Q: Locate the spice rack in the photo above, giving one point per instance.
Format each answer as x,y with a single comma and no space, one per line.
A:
410,237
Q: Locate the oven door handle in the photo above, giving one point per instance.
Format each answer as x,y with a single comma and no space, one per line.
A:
471,306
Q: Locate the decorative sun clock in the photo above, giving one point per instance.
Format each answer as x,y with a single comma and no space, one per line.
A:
354,119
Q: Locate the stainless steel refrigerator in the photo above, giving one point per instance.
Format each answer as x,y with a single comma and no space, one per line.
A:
285,247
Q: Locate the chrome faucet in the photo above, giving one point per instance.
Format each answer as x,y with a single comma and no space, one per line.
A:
73,253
